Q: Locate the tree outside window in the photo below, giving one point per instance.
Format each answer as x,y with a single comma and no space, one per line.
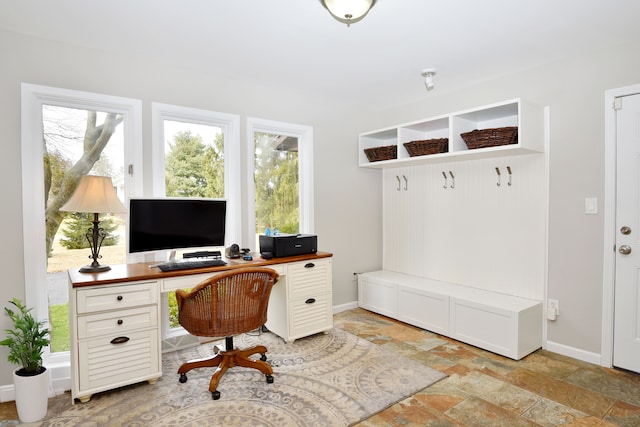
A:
276,183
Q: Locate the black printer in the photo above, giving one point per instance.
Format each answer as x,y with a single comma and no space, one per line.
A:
283,245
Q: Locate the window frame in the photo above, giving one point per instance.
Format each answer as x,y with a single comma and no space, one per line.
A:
33,97
230,125
305,173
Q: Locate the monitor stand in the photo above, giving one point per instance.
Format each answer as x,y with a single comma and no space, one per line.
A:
172,258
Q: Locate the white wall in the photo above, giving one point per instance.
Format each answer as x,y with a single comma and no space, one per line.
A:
348,199
573,88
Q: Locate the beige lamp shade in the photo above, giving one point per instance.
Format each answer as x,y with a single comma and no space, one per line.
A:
94,194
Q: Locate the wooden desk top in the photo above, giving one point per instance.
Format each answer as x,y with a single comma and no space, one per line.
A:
122,273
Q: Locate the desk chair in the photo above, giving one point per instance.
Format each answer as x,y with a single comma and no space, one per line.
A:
225,305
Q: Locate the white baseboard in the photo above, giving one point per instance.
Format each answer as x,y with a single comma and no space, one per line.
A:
344,307
576,353
7,393
59,382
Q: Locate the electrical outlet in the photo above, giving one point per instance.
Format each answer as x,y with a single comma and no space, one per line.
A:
553,309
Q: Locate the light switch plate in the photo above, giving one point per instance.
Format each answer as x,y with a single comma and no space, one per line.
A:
591,205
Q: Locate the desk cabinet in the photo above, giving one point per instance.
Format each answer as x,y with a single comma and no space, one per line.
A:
115,336
301,301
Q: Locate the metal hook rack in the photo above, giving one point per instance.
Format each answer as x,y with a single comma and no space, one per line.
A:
444,174
453,180
509,170
499,178
400,186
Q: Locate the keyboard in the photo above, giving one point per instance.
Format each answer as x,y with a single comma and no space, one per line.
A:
189,263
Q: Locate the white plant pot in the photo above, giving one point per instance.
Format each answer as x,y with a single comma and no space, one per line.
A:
32,396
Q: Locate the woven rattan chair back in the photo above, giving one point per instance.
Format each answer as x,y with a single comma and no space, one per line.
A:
228,303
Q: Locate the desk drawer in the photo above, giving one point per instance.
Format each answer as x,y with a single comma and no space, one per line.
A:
311,315
104,363
117,322
116,297
306,279
171,284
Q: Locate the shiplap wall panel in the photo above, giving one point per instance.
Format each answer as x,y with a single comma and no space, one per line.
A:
477,234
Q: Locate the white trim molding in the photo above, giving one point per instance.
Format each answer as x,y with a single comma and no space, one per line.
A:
33,97
575,353
305,172
608,268
230,125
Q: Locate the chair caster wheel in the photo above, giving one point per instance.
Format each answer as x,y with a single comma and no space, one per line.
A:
215,395
269,379
263,357
183,378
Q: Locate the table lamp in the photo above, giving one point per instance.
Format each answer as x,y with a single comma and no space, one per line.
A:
95,194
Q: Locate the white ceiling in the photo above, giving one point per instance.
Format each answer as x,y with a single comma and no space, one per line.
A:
296,44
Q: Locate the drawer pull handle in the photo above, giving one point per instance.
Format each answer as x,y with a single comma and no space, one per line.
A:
120,322
310,301
119,340
119,297
309,265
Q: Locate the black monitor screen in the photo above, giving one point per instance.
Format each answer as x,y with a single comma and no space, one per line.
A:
175,223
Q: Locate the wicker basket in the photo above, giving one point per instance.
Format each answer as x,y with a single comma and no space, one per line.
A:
377,154
427,146
491,137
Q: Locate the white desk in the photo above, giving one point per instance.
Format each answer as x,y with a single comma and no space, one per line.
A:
114,316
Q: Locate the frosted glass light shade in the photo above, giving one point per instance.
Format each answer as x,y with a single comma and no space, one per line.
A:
95,194
348,11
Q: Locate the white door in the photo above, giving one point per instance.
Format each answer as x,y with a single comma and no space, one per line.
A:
626,343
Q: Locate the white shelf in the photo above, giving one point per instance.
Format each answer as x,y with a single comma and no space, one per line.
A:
528,118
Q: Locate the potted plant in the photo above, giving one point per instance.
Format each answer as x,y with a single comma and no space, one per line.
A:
26,342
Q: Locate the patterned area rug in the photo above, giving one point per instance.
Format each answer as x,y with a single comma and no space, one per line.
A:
332,379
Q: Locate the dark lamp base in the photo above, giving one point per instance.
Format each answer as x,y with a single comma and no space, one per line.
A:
92,269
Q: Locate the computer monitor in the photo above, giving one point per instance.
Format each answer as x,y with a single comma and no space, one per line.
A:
168,223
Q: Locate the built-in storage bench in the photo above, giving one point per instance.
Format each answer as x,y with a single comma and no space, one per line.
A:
503,324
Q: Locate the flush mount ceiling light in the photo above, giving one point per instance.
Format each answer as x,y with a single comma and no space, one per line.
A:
348,11
428,74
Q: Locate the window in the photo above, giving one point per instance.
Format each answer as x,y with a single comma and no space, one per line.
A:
60,117
195,154
218,135
282,175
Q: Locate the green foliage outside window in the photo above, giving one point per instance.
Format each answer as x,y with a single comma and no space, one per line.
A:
193,168
276,184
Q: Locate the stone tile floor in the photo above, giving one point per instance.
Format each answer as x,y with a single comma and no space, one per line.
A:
484,389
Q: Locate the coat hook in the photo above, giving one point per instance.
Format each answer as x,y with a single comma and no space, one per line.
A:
398,178
453,180
498,172
509,170
445,179
406,182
